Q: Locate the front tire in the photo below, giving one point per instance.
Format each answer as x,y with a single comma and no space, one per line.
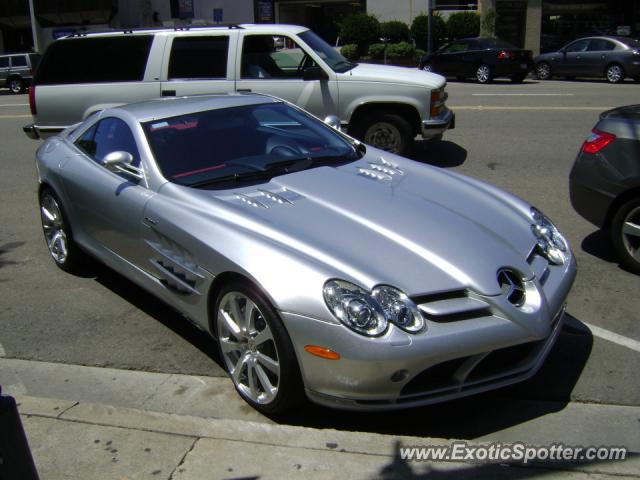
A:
256,350
625,234
15,86
614,73
483,74
427,67
543,71
57,233
387,132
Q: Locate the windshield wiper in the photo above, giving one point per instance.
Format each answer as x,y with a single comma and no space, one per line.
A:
233,178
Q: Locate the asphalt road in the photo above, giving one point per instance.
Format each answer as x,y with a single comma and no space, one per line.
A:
523,138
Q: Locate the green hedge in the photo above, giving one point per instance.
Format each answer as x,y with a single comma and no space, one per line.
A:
401,50
350,51
376,51
395,31
420,30
463,25
360,29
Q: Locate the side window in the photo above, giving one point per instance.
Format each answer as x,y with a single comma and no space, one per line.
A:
579,46
199,57
18,61
4,62
600,45
456,47
273,56
109,135
95,60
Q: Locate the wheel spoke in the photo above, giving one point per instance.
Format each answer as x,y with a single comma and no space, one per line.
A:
253,381
268,362
249,308
229,322
46,214
632,229
236,313
237,369
269,390
229,346
263,336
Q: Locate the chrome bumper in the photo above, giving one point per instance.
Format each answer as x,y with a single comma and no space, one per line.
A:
436,126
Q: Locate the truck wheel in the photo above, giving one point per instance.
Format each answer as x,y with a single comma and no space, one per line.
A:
625,234
15,85
386,132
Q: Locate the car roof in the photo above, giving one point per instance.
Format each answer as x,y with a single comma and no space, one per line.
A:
281,28
174,106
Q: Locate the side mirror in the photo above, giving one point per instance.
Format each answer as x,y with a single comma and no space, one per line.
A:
314,73
121,162
333,122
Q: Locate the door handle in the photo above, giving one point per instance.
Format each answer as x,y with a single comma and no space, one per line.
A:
168,93
244,90
150,221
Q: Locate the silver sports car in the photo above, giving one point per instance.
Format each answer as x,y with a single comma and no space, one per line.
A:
318,264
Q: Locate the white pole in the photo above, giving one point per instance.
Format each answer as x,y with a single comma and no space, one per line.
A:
34,30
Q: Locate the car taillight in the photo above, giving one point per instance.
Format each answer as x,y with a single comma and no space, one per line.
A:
503,55
597,140
32,99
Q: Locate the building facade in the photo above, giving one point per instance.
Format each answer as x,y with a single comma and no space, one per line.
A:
538,25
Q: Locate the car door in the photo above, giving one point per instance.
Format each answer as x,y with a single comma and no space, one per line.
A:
597,57
451,59
107,206
570,61
198,64
4,69
275,64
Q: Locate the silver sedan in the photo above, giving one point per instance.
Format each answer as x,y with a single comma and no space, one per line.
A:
318,264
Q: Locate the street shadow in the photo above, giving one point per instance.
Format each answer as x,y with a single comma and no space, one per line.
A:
6,248
478,415
7,92
598,244
157,309
496,81
439,153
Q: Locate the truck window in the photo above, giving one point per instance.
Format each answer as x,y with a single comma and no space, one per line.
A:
199,57
95,60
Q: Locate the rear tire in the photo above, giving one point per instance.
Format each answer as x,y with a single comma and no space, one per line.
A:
256,350
484,74
387,132
15,85
614,73
543,71
57,233
625,234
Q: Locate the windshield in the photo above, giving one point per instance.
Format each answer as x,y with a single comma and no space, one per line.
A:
325,51
247,143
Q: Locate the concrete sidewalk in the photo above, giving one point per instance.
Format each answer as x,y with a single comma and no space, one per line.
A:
97,423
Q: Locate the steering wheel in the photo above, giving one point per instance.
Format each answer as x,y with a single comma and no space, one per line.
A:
285,151
304,63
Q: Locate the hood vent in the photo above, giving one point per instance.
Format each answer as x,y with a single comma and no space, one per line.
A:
386,167
452,307
263,198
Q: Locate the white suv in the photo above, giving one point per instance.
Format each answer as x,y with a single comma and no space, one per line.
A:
382,105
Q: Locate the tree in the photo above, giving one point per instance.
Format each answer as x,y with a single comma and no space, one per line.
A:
420,30
463,25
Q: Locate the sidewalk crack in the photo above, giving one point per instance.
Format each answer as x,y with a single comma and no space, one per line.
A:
183,459
156,390
75,404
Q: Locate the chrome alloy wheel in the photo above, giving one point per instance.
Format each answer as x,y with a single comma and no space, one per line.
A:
15,85
483,73
248,348
631,234
385,136
54,229
427,67
615,74
543,71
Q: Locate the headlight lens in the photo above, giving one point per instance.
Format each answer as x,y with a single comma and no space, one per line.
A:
370,313
550,240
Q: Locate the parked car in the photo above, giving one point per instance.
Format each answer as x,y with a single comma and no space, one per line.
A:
382,105
614,58
605,181
16,70
320,265
482,58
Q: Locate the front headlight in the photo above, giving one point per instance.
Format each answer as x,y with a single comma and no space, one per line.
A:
550,241
369,313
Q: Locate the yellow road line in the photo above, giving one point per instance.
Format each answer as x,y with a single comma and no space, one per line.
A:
526,108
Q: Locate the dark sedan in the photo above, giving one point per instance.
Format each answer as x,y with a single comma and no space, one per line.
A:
605,181
614,58
482,58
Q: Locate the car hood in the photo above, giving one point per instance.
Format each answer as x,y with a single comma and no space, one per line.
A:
369,72
416,227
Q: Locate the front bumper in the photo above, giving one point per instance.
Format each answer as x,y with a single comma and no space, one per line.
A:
452,359
436,126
